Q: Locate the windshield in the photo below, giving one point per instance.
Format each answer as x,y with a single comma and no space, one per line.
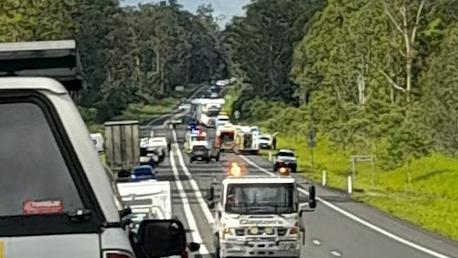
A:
199,148
286,154
143,171
260,198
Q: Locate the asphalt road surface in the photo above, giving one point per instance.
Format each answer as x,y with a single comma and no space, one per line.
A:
339,227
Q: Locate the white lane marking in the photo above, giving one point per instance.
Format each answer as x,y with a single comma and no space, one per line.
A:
195,187
316,242
362,221
196,237
336,253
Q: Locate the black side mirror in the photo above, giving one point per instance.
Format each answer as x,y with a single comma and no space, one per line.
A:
159,238
312,197
211,197
194,247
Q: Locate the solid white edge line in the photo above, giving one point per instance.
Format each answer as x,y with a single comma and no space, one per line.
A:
362,221
196,237
195,187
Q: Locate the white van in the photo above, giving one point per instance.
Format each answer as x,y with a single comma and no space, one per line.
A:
59,201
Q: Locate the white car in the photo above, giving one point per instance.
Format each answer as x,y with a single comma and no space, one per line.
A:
80,213
265,141
97,138
184,106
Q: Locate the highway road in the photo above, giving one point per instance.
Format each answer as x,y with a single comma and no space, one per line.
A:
339,227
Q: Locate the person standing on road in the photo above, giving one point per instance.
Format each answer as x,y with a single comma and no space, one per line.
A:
274,142
169,146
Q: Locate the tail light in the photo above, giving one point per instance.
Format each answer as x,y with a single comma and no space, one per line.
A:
293,231
117,254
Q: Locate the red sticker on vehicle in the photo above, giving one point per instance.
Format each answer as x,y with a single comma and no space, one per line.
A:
43,207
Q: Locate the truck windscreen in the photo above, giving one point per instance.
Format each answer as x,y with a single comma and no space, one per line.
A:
260,198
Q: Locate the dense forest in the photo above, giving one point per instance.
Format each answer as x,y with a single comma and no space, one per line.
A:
373,77
129,54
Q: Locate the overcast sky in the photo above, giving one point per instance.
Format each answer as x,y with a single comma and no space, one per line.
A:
228,8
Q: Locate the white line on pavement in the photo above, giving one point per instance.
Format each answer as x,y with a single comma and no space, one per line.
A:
362,221
195,187
196,237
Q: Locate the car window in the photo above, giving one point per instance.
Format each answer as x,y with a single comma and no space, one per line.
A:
143,171
34,177
286,154
199,148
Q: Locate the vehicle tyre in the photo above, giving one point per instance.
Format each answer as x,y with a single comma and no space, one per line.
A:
274,169
191,160
294,169
207,160
217,248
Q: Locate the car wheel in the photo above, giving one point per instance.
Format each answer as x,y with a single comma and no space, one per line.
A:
208,160
191,160
274,168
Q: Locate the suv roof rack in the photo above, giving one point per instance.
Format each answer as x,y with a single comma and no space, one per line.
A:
53,59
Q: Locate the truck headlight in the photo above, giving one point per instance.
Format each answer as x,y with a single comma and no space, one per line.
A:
228,231
254,231
269,231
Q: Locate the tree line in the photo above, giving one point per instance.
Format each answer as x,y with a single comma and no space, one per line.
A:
129,54
372,76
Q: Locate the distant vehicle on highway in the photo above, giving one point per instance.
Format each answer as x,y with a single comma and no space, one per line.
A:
158,144
121,142
221,120
285,158
214,95
97,138
144,172
265,141
193,126
184,106
199,153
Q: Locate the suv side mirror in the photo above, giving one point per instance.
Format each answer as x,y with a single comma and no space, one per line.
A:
211,197
194,247
312,197
159,238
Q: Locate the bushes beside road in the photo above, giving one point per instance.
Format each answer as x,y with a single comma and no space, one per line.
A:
429,199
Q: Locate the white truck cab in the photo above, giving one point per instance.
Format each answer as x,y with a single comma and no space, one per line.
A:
59,201
258,216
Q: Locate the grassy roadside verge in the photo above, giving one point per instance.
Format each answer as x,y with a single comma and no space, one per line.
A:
430,201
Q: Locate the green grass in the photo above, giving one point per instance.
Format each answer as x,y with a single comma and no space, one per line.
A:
431,200
142,112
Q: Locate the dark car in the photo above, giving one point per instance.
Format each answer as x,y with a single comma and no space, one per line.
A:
199,153
144,172
285,158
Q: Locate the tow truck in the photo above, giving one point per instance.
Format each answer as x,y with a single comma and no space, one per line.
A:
259,216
